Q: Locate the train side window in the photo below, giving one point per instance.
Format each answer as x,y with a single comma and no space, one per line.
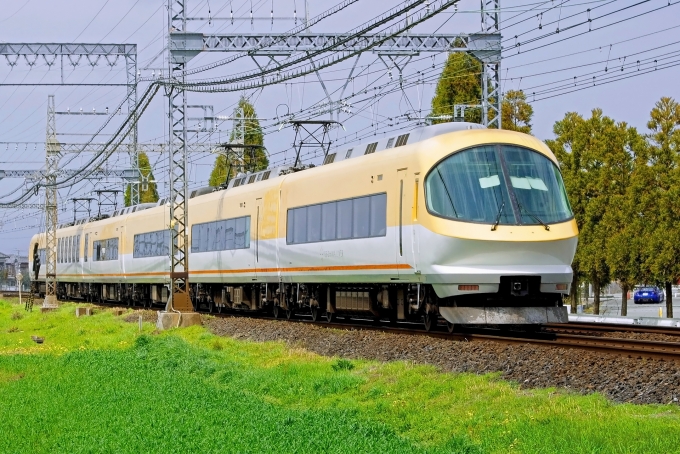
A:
112,248
378,218
222,235
328,221
85,249
300,223
205,236
105,250
242,233
360,217
344,230
152,244
220,239
290,227
77,248
314,223
229,234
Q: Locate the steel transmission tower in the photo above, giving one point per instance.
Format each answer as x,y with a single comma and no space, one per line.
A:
51,220
71,54
491,75
177,147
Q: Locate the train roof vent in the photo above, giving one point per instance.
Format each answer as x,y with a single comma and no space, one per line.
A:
265,176
115,213
390,142
401,140
349,153
371,148
329,159
252,179
237,182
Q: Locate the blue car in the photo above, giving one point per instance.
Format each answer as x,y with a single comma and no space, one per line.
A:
648,295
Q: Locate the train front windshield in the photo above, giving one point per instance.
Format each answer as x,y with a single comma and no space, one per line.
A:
506,184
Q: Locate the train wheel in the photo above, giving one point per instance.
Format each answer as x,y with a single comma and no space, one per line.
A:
275,311
211,306
450,327
330,316
315,313
289,314
429,321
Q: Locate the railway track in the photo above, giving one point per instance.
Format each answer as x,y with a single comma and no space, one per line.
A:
612,328
557,335
632,348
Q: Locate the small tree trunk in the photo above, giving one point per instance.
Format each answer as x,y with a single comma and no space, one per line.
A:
624,299
596,296
669,299
574,293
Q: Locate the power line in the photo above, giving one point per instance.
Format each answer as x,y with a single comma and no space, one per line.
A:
91,20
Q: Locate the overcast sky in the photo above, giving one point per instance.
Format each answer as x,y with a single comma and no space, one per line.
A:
546,63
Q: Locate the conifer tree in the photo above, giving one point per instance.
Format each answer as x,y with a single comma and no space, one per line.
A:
516,112
150,195
658,182
459,83
252,160
596,160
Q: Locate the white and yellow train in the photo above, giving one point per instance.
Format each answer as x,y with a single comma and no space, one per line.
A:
453,219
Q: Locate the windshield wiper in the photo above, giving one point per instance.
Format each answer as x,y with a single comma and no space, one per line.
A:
535,218
498,217
448,194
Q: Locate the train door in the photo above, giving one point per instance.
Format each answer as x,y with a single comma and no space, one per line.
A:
258,233
415,182
404,224
86,253
121,248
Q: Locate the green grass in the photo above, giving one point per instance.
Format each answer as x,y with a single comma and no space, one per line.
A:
99,385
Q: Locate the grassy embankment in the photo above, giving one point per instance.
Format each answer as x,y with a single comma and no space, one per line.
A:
99,385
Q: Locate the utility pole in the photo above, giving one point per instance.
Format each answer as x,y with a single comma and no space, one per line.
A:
51,220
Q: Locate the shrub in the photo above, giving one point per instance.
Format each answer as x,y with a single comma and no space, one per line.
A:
343,364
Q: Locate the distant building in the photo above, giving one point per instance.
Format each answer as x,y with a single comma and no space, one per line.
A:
10,263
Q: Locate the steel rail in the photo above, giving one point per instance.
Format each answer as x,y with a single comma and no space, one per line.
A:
613,327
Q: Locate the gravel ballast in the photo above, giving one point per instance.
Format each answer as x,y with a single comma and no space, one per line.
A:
619,378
